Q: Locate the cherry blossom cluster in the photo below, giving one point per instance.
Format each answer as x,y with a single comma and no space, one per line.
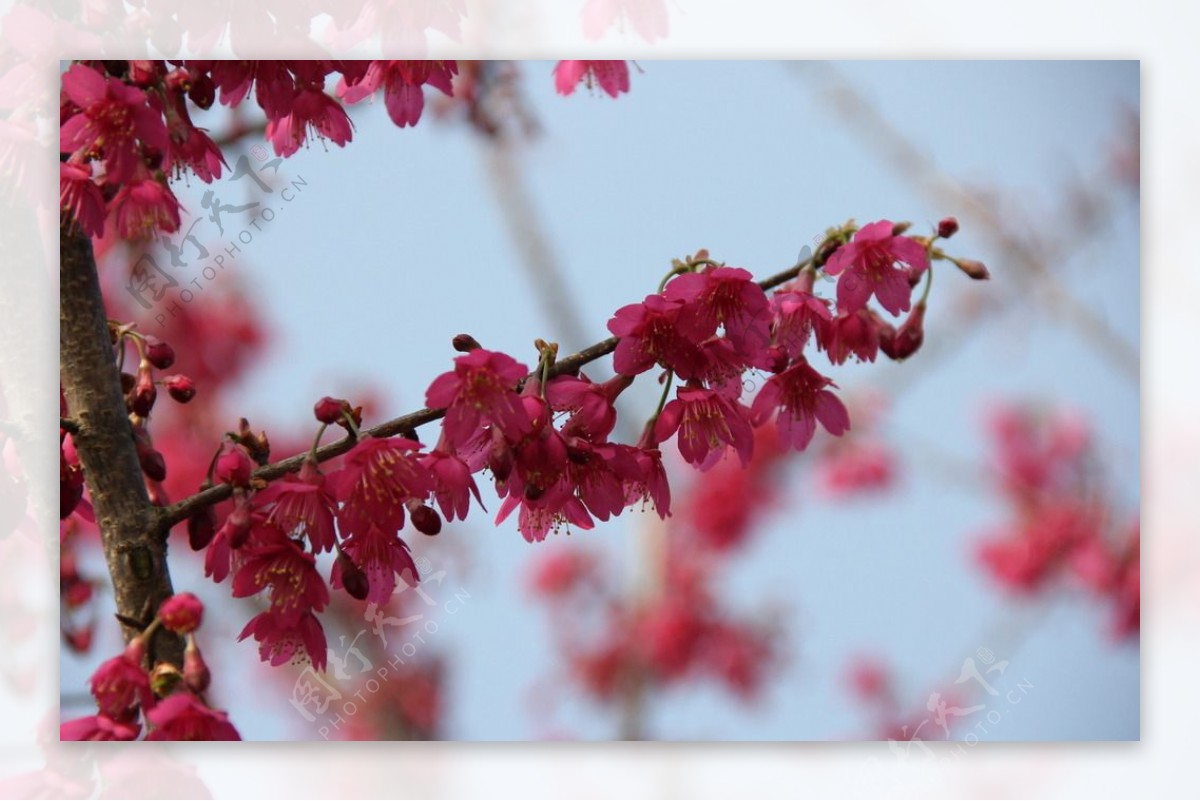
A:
543,435
160,702
1063,524
126,128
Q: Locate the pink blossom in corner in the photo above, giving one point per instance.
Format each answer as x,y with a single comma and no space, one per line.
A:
114,119
283,640
880,263
802,399
611,76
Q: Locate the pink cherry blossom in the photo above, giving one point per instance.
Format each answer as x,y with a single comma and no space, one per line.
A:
403,85
114,119
378,476
611,76
880,263
381,555
708,424
650,333
183,716
480,391
800,396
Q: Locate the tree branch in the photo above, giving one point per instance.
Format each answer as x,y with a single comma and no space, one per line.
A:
134,549
178,512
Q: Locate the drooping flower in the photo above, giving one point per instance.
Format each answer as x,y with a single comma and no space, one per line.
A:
593,416
708,423
650,333
556,507
311,109
611,76
857,333
795,315
291,575
381,555
650,483
480,390
282,640
302,506
453,485
801,397
199,152
725,297
114,119
877,262
182,716
80,197
143,207
403,85
120,685
378,476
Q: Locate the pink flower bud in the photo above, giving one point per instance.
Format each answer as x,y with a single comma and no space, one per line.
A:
908,338
141,400
426,520
234,466
354,580
159,353
465,343
181,613
202,92
947,228
201,527
973,269
195,671
329,410
153,464
181,388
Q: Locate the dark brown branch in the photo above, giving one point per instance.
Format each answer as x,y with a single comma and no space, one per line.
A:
134,549
178,512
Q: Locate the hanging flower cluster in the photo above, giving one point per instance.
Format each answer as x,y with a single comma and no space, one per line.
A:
162,703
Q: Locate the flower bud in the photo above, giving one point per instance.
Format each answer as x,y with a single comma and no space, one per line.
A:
329,410
164,679
141,400
973,269
426,520
159,353
354,580
181,613
947,228
195,671
907,340
153,464
201,527
202,92
181,388
239,525
234,466
465,343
